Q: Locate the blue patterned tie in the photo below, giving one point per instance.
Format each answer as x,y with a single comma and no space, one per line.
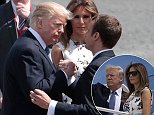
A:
112,101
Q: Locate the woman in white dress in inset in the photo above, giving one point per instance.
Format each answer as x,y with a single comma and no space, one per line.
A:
139,100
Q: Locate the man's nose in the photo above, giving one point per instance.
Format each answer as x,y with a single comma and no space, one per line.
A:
61,29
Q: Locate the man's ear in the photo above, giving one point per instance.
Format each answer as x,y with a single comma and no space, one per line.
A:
96,35
39,23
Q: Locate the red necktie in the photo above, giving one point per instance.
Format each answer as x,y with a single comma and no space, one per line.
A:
21,27
17,30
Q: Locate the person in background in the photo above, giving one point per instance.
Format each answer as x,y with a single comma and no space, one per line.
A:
102,93
28,65
2,2
0,102
139,100
100,39
9,27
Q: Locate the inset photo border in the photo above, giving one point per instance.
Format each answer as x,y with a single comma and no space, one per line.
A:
123,61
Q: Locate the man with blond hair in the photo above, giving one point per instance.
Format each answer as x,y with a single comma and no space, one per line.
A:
28,65
103,93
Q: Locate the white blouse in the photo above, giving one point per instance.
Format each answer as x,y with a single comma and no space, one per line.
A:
78,54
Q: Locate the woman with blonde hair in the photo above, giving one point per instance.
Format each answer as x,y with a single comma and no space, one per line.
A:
72,44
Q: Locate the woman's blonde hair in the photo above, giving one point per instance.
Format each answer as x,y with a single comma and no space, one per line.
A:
89,5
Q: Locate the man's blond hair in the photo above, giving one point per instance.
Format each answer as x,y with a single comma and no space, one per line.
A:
48,10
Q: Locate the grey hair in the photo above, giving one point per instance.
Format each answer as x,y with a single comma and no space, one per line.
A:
48,10
120,70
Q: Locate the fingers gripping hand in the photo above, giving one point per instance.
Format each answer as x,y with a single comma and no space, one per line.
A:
40,98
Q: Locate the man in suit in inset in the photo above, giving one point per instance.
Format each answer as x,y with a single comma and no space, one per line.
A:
100,39
28,65
102,93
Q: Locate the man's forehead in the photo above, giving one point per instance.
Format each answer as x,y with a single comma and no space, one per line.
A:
112,70
59,19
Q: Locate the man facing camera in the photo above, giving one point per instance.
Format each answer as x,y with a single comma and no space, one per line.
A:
113,95
28,65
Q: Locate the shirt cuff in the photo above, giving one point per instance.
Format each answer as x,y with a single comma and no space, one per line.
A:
51,108
70,80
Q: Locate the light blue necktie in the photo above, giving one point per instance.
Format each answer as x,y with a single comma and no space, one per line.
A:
112,101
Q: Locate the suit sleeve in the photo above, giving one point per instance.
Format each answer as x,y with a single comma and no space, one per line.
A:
74,109
36,72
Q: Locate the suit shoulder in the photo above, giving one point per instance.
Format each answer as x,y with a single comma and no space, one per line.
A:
99,86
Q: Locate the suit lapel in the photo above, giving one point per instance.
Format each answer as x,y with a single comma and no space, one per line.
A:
30,35
47,57
123,99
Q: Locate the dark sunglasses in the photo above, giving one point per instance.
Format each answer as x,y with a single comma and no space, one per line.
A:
132,73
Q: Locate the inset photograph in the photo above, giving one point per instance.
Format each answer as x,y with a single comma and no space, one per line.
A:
124,85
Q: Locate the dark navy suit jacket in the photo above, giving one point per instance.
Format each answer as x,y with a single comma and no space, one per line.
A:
101,94
28,67
80,90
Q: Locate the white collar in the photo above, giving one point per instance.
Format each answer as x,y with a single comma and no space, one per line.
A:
118,91
38,37
100,52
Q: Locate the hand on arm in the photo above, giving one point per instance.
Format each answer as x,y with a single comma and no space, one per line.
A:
1,102
40,98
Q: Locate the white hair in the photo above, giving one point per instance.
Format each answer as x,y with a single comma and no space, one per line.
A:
48,10
120,70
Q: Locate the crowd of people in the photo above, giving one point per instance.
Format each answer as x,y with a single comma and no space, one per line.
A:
50,56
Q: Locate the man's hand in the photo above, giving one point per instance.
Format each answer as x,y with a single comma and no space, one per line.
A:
68,67
22,10
40,98
1,102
